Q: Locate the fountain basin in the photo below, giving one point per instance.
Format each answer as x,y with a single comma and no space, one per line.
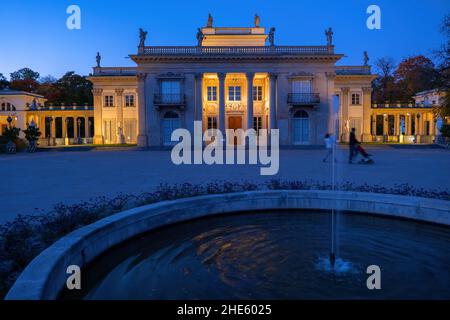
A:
45,276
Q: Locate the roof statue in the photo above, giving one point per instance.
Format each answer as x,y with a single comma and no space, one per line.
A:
272,36
366,58
200,37
98,58
257,21
329,34
209,24
142,37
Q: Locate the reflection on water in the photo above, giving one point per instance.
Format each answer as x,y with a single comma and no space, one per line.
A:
274,255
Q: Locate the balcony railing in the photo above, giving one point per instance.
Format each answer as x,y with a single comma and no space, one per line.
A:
303,98
169,99
51,107
114,71
255,50
353,70
402,105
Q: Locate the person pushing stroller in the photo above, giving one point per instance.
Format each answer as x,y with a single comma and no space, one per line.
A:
355,148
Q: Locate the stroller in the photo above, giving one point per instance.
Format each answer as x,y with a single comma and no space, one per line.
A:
366,157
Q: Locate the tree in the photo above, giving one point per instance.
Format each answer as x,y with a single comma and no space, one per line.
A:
24,79
384,86
4,83
74,89
23,74
443,53
415,74
49,90
49,79
28,85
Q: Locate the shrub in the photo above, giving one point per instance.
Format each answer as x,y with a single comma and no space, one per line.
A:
11,133
445,130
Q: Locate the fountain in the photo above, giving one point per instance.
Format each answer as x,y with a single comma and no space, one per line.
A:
336,105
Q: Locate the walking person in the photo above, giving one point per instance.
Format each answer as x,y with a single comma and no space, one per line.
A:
329,141
352,145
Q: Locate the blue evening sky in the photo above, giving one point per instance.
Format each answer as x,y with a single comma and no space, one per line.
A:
33,33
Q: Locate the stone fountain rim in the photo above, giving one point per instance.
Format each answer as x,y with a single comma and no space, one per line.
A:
45,276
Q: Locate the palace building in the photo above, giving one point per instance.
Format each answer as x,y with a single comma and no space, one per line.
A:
232,78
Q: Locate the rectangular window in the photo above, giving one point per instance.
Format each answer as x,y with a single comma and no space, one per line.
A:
234,93
356,99
212,123
257,124
129,100
212,93
171,91
109,101
301,86
257,93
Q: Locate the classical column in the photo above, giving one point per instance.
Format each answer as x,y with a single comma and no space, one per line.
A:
397,124
199,97
222,102
250,77
119,116
385,124
53,127
53,131
75,129
64,130
367,109
142,107
42,126
98,132
273,99
344,112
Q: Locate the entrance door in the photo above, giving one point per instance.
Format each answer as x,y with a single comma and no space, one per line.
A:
171,122
234,123
300,124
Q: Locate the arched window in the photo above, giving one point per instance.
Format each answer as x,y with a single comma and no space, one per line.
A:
300,127
6,106
301,114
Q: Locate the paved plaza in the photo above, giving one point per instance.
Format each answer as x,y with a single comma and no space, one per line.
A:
39,181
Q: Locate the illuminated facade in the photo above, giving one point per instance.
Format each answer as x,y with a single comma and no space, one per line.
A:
234,78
